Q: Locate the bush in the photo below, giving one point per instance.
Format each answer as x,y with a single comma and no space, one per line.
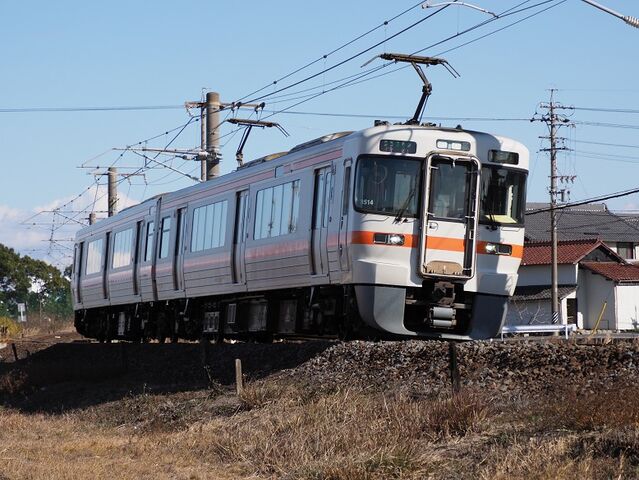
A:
9,327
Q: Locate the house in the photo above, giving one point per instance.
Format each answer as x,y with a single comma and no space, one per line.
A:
619,232
597,287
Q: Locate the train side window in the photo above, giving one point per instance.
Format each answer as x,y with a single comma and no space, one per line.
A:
165,237
122,249
295,209
328,191
148,243
94,256
276,210
209,226
320,186
346,190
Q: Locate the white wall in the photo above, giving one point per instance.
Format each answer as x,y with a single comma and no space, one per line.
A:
627,307
540,275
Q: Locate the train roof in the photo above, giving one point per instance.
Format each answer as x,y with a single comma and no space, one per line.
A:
317,145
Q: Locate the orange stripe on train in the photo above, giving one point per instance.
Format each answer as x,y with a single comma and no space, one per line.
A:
445,243
363,237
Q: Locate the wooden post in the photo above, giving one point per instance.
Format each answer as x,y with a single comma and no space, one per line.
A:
239,379
454,367
15,351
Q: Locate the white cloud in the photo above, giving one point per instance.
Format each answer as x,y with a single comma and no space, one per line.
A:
21,237
8,214
30,232
631,206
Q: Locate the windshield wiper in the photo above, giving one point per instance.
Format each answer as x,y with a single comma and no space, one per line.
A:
492,223
404,207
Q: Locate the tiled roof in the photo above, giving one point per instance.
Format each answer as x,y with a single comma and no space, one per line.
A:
568,251
582,222
616,272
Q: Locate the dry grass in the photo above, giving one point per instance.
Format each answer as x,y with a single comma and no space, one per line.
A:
341,435
595,408
288,431
551,458
45,326
274,431
44,447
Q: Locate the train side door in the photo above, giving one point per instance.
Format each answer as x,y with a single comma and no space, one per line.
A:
136,258
319,226
343,223
77,271
178,252
239,237
145,264
448,246
106,261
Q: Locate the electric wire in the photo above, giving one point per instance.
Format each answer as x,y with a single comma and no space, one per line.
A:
89,109
351,58
341,47
606,110
355,80
620,145
609,196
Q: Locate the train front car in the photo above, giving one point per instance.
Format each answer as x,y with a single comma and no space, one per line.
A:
437,232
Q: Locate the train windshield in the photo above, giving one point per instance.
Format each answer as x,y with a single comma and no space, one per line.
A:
503,193
388,185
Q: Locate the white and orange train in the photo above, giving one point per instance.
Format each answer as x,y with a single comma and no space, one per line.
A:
395,230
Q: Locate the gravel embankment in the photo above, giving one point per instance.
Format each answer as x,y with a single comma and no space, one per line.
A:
520,368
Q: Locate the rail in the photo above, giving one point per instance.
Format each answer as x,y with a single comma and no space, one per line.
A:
566,329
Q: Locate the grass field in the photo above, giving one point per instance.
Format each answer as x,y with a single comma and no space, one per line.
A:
284,428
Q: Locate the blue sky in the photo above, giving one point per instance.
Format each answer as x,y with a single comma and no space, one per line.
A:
84,54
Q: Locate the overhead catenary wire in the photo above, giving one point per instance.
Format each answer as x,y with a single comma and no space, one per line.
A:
95,184
128,108
351,58
358,79
510,11
353,80
335,50
398,117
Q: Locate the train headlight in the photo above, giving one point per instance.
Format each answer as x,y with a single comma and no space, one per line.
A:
490,248
498,249
395,239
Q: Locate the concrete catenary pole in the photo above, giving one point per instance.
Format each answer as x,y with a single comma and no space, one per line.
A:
212,134
113,191
554,121
203,164
553,212
91,218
